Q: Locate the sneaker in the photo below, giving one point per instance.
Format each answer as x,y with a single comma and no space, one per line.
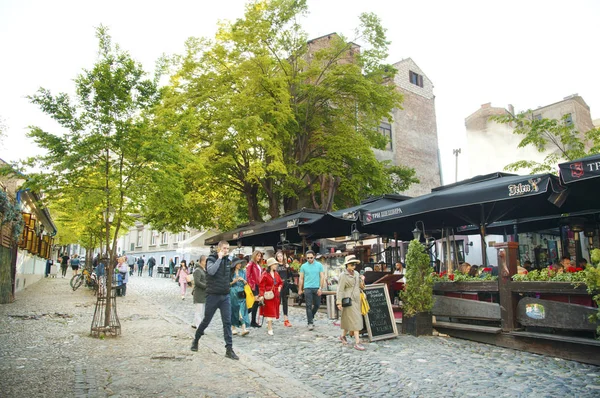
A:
195,346
287,324
245,332
194,327
270,332
234,331
359,347
311,326
230,354
183,297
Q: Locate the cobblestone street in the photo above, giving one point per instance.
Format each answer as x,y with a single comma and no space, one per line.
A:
45,350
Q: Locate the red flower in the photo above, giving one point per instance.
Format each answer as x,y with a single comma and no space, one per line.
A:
578,269
487,269
451,277
571,269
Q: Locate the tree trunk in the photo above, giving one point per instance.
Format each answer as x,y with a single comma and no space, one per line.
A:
251,193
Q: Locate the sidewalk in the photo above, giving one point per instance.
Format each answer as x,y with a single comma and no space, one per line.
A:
45,350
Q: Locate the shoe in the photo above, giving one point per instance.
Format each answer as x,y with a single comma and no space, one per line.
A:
183,297
359,347
343,340
194,327
287,324
234,331
255,325
195,346
311,326
270,332
230,354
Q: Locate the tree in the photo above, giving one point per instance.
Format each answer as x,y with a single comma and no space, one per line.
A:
110,153
557,138
276,121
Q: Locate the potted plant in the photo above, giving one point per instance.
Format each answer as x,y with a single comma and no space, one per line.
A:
417,297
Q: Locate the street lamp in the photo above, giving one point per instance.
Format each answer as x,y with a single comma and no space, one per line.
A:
417,232
354,233
456,152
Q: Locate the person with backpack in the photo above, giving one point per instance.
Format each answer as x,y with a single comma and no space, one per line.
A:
140,264
151,264
75,263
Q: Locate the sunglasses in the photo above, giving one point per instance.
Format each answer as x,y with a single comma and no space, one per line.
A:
310,258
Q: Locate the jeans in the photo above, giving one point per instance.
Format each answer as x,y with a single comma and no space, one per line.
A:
285,293
140,270
223,304
150,269
254,308
313,302
199,314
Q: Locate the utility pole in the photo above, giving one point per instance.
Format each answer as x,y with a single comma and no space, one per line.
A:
456,152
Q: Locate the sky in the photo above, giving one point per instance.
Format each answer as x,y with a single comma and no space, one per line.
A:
526,53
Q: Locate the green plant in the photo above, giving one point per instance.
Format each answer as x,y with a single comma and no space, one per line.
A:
592,280
547,275
418,294
11,213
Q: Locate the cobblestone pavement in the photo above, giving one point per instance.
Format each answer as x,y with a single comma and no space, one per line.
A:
45,350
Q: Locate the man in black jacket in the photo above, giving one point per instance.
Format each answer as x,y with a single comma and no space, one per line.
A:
218,271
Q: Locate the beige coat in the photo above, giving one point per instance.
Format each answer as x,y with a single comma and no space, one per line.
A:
349,286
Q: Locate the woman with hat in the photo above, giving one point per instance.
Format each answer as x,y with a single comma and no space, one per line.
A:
350,286
270,285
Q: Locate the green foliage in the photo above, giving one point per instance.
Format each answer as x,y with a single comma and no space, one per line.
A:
277,124
592,280
548,275
11,213
108,153
556,137
595,256
418,293
458,277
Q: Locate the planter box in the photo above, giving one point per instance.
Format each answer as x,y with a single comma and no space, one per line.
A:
419,324
549,287
484,286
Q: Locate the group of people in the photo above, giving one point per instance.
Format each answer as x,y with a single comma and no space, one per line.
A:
224,283
65,261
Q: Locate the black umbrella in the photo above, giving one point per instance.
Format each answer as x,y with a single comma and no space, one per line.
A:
479,201
580,169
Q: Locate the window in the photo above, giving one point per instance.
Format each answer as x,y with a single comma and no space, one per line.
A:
385,129
568,119
460,246
164,238
162,260
415,78
139,239
153,236
132,247
537,117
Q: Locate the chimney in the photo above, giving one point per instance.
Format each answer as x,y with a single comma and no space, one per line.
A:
511,109
486,106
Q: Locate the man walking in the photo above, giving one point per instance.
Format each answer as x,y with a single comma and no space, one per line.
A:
312,277
151,264
131,264
140,264
218,268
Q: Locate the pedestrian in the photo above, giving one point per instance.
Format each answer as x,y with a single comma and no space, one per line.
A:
140,264
64,263
182,274
237,296
283,269
151,264
171,267
348,302
253,272
49,263
269,293
218,268
75,262
199,291
123,267
130,264
312,277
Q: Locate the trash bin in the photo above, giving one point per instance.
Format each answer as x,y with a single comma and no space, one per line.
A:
332,311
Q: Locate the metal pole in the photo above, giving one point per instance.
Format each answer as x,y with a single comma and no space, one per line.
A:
456,152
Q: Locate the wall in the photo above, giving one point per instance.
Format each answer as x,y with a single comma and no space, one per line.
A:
30,269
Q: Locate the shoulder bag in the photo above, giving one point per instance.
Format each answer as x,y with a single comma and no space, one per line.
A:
347,301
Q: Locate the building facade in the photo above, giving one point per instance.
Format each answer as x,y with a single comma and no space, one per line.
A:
492,146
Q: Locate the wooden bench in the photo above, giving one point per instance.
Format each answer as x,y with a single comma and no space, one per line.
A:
465,310
555,314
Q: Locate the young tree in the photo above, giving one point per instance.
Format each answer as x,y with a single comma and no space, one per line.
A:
110,153
281,122
557,138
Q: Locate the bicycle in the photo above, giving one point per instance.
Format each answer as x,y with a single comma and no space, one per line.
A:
90,280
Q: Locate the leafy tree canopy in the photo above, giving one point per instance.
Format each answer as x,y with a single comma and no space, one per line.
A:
278,123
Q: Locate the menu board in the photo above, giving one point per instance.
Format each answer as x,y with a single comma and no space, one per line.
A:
380,320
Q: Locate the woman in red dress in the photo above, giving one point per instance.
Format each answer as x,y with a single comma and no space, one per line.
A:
270,281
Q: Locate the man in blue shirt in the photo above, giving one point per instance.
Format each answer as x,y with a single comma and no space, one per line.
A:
312,277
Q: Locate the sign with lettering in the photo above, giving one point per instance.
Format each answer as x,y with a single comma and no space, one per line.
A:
378,215
520,189
581,169
380,320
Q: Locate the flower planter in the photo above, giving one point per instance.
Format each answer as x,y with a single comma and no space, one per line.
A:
484,286
417,325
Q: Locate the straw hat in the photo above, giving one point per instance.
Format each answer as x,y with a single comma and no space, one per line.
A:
271,261
351,259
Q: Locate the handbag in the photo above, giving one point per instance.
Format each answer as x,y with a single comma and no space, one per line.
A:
249,296
189,278
241,294
347,301
364,304
269,295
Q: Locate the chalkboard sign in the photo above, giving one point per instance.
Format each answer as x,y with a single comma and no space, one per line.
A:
380,319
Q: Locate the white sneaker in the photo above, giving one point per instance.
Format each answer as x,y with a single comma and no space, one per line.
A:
234,331
270,332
